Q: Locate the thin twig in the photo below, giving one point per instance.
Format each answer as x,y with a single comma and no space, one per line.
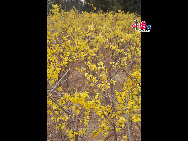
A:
132,78
129,135
115,102
66,111
113,124
58,82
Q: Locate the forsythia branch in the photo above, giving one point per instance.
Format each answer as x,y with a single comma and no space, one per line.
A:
66,111
58,82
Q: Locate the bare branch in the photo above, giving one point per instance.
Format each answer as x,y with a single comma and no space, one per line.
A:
66,111
58,82
113,125
129,135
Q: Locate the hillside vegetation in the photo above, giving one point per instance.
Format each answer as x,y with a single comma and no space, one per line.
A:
93,76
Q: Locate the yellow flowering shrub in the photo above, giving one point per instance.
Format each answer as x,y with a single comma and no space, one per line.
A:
93,75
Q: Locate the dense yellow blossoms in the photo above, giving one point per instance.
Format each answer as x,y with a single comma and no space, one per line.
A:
104,53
